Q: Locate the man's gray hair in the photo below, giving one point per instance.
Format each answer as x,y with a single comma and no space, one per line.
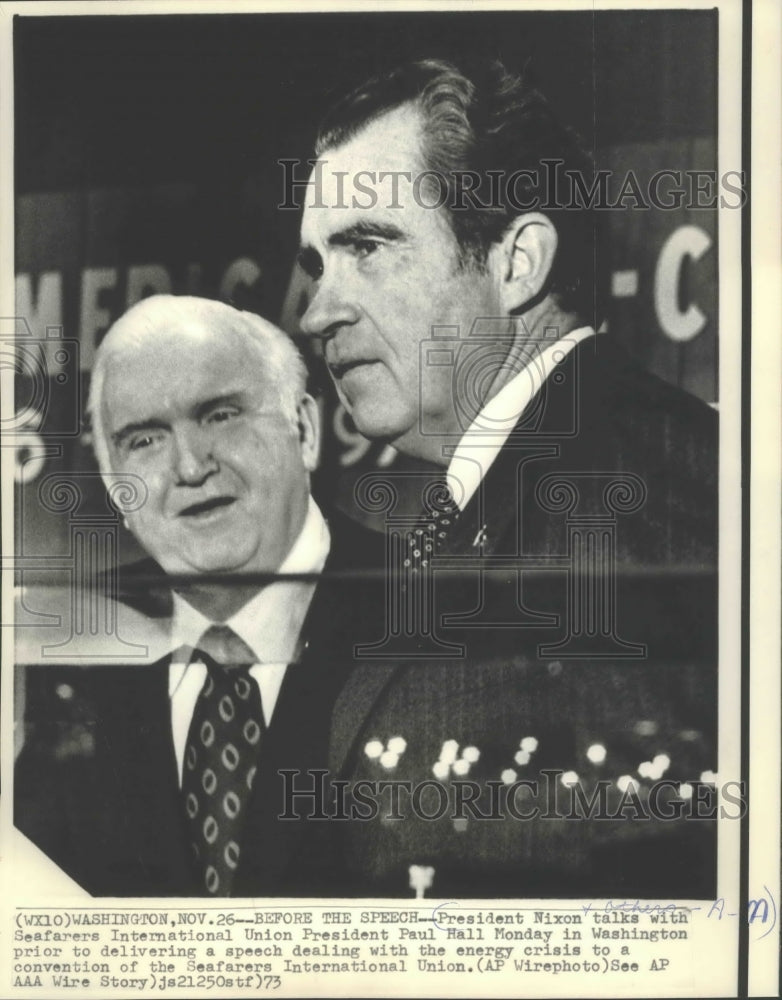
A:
277,354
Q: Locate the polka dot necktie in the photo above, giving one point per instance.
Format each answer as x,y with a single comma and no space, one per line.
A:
221,756
431,536
445,515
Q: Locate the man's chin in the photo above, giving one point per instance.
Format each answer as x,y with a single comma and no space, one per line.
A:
223,566
376,424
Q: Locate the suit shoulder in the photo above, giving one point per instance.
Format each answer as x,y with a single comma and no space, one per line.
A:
631,403
354,546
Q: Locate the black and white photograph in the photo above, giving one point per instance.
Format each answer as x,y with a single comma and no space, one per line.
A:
377,537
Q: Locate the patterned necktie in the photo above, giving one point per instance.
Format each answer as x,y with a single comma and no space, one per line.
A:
445,514
431,536
221,756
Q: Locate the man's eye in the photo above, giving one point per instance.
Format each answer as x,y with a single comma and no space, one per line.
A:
222,415
366,247
310,262
139,441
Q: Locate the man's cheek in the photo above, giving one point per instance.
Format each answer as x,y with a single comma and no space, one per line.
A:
343,397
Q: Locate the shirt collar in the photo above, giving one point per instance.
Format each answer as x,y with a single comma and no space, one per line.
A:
270,622
486,435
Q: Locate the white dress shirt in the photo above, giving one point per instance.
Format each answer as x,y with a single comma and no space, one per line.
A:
486,435
270,623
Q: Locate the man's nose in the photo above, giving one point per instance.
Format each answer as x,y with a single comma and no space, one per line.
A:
192,458
330,307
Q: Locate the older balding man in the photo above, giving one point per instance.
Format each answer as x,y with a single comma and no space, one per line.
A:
178,791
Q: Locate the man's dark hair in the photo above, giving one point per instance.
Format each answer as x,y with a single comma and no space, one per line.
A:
489,122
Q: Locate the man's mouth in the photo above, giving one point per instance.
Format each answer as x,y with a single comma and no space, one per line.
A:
206,507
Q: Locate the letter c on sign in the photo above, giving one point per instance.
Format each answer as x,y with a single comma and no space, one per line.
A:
686,241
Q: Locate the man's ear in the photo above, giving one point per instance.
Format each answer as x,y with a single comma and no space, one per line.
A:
524,259
309,431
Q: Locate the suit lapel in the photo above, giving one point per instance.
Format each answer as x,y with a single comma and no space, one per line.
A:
298,737
136,755
359,607
276,853
355,704
498,510
297,743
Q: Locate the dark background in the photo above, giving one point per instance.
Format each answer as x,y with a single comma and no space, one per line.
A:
146,151
131,100
215,101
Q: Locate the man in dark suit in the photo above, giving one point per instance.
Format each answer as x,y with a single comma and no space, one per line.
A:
571,552
163,778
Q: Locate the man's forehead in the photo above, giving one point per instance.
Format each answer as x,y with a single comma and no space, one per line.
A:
166,350
179,368
391,144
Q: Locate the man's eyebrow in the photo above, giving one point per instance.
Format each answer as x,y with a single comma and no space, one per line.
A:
364,229
226,399
310,260
199,410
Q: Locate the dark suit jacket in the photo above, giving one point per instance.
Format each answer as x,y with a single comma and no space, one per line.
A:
639,680
96,786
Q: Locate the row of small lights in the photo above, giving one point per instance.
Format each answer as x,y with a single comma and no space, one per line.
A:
388,756
450,762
